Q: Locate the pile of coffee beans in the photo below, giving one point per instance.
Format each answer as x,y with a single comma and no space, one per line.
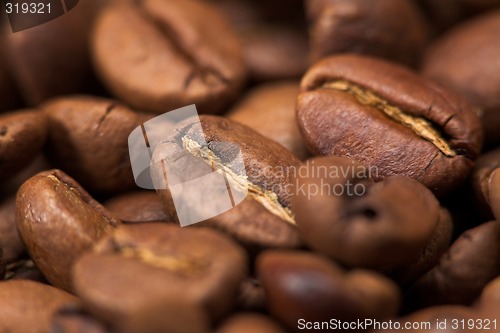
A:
369,132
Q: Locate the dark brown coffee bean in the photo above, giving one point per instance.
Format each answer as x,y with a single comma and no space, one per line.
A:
486,183
360,223
143,206
22,135
53,59
89,139
160,55
389,117
28,306
270,110
57,221
160,264
431,320
2,265
9,95
251,296
10,243
466,60
340,26
249,323
472,261
24,269
438,244
300,285
264,218
11,185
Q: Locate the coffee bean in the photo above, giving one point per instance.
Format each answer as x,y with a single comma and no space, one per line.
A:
438,244
390,118
270,110
28,306
10,242
2,265
53,59
465,59
73,319
264,219
24,269
89,139
162,264
57,221
9,94
139,206
361,223
472,261
249,323
490,299
300,285
22,136
485,183
160,55
251,296
340,26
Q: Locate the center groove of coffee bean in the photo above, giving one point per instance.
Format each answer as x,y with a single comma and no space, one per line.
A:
266,198
421,126
183,265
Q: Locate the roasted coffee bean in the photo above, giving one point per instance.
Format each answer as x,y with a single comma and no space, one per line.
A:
22,136
431,320
24,269
53,59
139,206
251,296
360,223
73,319
389,117
57,221
486,183
270,110
472,261
489,301
264,219
88,138
300,285
160,55
467,60
438,244
250,323
10,243
27,306
161,264
340,26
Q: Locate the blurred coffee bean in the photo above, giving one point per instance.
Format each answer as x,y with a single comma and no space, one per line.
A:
389,117
38,164
10,243
300,285
162,264
249,323
342,214
73,319
139,206
264,219
28,306
438,244
9,94
371,27
270,110
490,298
88,138
467,60
441,14
22,136
2,265
251,296
160,55
472,261
486,183
57,221
24,269
53,58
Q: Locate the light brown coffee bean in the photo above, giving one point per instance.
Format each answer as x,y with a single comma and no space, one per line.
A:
161,55
89,139
57,221
22,136
28,306
270,110
390,118
162,264
250,323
